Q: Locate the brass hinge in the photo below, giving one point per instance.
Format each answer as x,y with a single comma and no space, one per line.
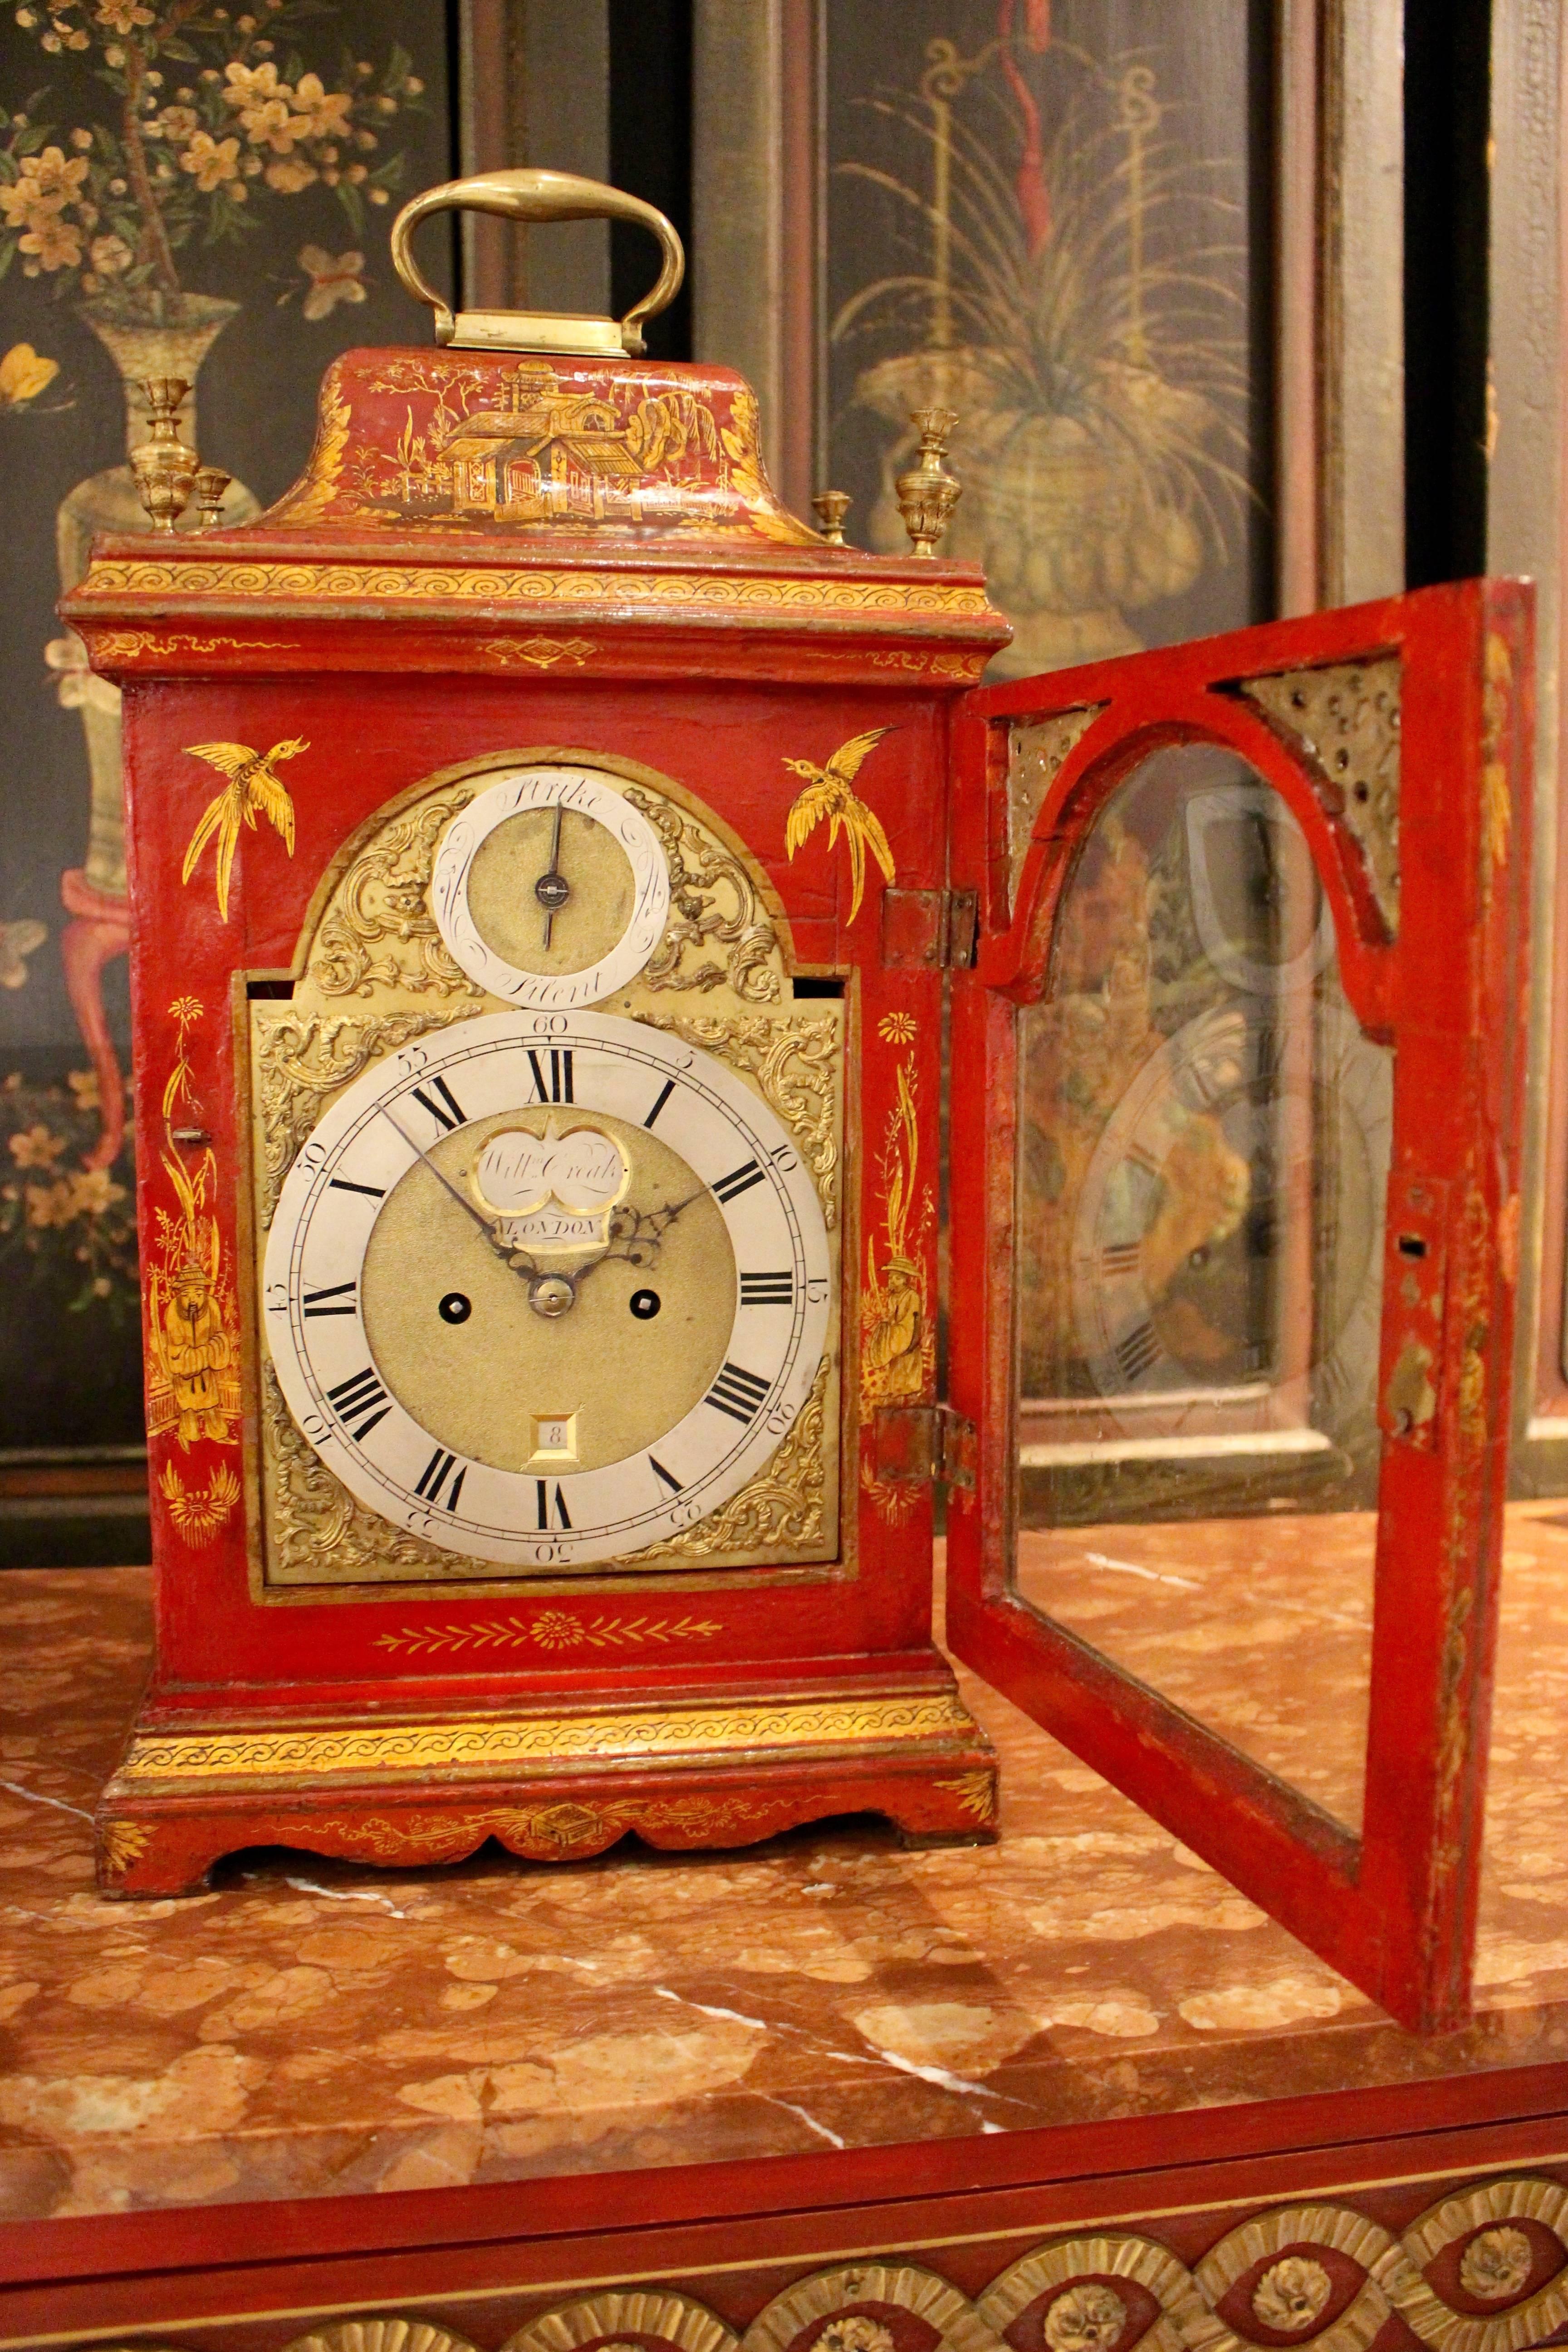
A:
929,930
914,1443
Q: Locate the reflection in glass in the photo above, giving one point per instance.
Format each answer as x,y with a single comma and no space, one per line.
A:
1204,1152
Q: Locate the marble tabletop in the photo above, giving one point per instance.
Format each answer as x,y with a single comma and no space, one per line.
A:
314,2029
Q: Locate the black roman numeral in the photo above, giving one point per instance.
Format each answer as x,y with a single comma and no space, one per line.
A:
437,1472
342,1185
664,1094
449,1112
1121,1257
559,1090
767,1289
739,1180
1137,1350
360,1398
563,1517
347,1291
662,1474
738,1392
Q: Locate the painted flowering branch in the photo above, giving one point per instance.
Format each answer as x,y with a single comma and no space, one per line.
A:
110,203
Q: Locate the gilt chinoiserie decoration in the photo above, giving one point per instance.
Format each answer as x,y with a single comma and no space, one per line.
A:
546,1011
512,810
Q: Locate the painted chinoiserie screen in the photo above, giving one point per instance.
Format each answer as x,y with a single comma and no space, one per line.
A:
1056,220
1235,1103
192,194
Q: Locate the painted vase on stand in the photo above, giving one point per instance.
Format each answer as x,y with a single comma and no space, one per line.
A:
147,335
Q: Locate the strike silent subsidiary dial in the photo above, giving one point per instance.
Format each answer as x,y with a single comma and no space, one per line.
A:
549,888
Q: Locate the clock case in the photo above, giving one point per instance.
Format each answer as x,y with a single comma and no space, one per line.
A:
595,567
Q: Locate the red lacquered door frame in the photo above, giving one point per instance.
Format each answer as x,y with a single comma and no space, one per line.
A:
1394,1908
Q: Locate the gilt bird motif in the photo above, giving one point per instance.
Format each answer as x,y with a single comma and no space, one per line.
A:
252,787
828,794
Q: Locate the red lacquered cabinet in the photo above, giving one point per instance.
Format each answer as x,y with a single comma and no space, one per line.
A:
556,871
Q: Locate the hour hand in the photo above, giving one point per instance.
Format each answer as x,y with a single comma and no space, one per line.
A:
641,1232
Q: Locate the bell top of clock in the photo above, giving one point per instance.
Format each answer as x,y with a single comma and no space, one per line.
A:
532,474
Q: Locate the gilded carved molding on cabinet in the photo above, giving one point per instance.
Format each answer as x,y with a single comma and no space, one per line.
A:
712,900
827,2311
1087,2318
1345,719
1496,2265
394,2335
677,592
544,1742
950,2314
1056,2269
1037,749
1291,2295
671,2319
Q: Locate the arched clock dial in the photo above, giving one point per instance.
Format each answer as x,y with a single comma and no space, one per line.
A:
1222,1140
547,1290
549,888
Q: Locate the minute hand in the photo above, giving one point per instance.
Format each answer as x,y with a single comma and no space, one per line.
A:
467,1206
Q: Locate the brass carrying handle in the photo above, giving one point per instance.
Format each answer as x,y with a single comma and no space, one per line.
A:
527,194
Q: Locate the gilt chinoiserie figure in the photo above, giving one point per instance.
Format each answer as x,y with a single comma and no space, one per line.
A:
552,865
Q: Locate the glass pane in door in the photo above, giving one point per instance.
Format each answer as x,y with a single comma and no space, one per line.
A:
1204,1147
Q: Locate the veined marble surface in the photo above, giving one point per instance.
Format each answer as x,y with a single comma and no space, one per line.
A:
320,2028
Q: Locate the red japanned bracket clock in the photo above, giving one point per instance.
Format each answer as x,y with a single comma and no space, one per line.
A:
551,861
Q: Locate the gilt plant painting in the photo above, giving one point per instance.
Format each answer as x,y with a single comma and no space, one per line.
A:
191,191
1049,215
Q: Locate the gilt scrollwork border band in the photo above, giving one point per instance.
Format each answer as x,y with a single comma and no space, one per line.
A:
1075,2278
541,1742
679,592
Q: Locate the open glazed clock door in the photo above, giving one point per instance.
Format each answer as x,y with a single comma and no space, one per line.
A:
1236,1101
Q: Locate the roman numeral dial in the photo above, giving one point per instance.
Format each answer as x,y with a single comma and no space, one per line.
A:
555,1287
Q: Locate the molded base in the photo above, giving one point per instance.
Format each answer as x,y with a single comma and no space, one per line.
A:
551,1788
